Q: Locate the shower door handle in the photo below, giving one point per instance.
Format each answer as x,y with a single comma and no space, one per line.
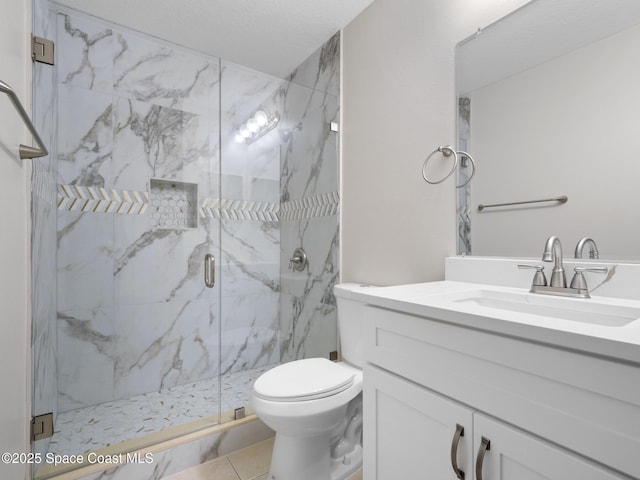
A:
209,270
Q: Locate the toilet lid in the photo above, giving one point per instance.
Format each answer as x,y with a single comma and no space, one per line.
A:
301,380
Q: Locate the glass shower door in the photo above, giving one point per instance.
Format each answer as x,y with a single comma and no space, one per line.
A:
250,230
126,334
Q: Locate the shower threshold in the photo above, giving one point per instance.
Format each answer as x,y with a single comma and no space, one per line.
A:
99,426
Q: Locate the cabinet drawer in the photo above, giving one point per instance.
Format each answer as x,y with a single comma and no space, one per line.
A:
589,405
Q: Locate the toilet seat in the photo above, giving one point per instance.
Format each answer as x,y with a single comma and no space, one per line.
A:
303,380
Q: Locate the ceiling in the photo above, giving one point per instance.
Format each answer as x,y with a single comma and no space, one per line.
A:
272,36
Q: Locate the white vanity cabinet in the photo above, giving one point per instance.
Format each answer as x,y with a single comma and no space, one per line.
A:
410,430
548,413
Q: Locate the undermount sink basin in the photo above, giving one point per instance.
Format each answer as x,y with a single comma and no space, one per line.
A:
590,310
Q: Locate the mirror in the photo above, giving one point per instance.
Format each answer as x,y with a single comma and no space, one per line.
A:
548,106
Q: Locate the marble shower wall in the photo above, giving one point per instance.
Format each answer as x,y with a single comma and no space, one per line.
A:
131,300
250,262
309,205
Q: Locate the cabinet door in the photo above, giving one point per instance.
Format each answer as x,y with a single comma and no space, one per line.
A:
409,431
516,455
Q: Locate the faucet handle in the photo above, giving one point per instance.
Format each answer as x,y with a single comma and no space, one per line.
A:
579,282
539,279
591,269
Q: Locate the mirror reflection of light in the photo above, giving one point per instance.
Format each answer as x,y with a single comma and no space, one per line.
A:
261,118
258,125
252,125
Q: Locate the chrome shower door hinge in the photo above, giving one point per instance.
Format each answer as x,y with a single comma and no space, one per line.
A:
42,50
41,426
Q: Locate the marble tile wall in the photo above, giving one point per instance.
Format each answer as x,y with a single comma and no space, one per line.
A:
178,458
250,260
131,300
119,303
309,200
463,194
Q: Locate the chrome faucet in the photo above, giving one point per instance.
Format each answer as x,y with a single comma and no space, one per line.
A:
593,248
558,285
553,252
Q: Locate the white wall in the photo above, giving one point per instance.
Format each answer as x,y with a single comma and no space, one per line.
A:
14,238
399,105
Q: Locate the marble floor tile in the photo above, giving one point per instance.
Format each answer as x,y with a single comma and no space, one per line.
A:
109,423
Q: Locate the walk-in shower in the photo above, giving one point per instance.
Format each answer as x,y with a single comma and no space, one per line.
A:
160,157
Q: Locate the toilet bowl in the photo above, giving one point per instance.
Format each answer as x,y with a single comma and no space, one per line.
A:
315,405
306,409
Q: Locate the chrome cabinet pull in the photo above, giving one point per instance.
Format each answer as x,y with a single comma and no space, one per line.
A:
209,270
454,451
484,446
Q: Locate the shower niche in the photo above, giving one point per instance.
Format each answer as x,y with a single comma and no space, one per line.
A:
173,204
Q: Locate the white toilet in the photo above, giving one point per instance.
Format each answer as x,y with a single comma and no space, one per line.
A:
315,405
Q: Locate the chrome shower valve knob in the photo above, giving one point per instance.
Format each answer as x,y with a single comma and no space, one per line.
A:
299,260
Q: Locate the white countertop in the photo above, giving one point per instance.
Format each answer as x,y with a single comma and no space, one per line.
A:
433,300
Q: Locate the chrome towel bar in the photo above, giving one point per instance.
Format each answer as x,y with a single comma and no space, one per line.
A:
561,199
25,150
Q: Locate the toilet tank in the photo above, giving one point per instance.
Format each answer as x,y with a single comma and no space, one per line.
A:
350,322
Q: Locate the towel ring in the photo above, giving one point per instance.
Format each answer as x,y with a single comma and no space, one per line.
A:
464,154
443,150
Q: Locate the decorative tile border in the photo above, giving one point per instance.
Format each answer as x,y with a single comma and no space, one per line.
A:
101,200
239,210
108,200
318,206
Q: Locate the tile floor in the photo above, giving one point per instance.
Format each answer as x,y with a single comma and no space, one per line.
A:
99,426
251,463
